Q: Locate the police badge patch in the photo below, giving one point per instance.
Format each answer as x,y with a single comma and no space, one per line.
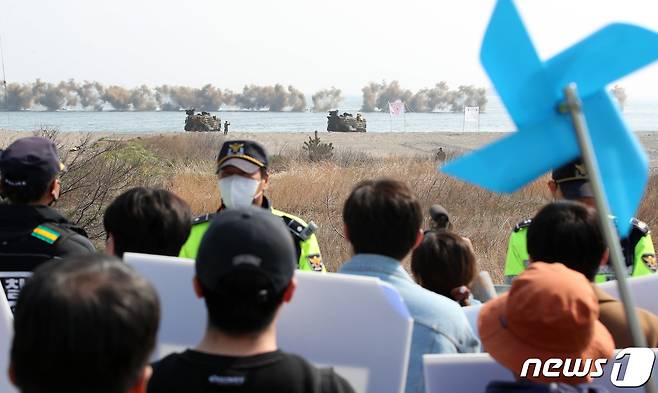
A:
236,148
650,261
315,260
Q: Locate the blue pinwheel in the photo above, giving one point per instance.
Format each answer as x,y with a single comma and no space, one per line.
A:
532,91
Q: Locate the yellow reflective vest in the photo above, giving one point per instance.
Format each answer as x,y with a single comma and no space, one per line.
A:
308,248
639,253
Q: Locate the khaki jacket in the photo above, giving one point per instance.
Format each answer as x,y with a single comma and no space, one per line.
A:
611,315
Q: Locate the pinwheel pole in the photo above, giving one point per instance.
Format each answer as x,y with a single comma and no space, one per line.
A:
574,108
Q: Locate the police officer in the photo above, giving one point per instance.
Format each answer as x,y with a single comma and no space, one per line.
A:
31,232
572,182
243,180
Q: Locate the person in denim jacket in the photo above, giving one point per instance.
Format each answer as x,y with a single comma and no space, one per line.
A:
382,222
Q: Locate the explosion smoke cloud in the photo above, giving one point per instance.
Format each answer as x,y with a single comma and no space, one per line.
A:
326,99
376,96
94,96
275,98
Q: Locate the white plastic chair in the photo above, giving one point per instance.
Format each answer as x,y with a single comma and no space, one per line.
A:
461,373
183,314
358,325
353,321
6,334
470,373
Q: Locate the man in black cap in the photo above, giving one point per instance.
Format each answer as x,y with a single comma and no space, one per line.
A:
243,180
244,272
31,232
571,182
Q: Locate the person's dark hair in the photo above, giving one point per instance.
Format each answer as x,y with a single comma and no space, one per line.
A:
567,232
85,324
443,262
237,308
24,195
382,217
149,221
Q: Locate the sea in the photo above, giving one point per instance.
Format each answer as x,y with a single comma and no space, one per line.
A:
641,115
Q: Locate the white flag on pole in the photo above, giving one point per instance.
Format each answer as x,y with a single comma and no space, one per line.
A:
471,118
396,108
471,113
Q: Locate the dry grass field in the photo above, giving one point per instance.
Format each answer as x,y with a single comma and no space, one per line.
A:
313,190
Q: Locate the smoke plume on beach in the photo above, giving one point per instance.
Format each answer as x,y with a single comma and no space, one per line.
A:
275,98
326,99
95,96
376,96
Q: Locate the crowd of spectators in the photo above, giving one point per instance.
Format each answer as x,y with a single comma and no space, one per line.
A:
86,322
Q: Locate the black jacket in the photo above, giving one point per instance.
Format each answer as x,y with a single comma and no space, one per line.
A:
30,236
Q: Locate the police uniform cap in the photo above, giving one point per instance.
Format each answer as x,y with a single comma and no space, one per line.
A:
28,161
248,156
573,180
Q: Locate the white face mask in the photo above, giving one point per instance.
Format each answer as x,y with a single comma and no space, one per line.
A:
238,191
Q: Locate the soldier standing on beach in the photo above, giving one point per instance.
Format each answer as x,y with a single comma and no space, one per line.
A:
571,182
243,180
226,124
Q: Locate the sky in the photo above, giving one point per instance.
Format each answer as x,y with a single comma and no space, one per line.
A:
305,43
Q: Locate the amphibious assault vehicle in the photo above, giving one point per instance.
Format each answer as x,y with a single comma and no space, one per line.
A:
345,122
203,121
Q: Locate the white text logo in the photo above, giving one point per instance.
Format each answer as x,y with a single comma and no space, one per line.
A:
631,368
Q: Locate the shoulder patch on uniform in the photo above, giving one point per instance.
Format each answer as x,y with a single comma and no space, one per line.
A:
295,227
522,224
46,234
640,225
650,262
315,260
203,218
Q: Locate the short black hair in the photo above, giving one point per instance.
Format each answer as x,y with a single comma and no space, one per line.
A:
442,262
149,221
237,309
382,217
84,324
26,194
567,232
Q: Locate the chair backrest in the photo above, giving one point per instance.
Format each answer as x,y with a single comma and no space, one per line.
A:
183,314
457,373
344,320
470,373
643,289
334,320
6,334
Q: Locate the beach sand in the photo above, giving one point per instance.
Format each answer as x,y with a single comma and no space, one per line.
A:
399,143
375,143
